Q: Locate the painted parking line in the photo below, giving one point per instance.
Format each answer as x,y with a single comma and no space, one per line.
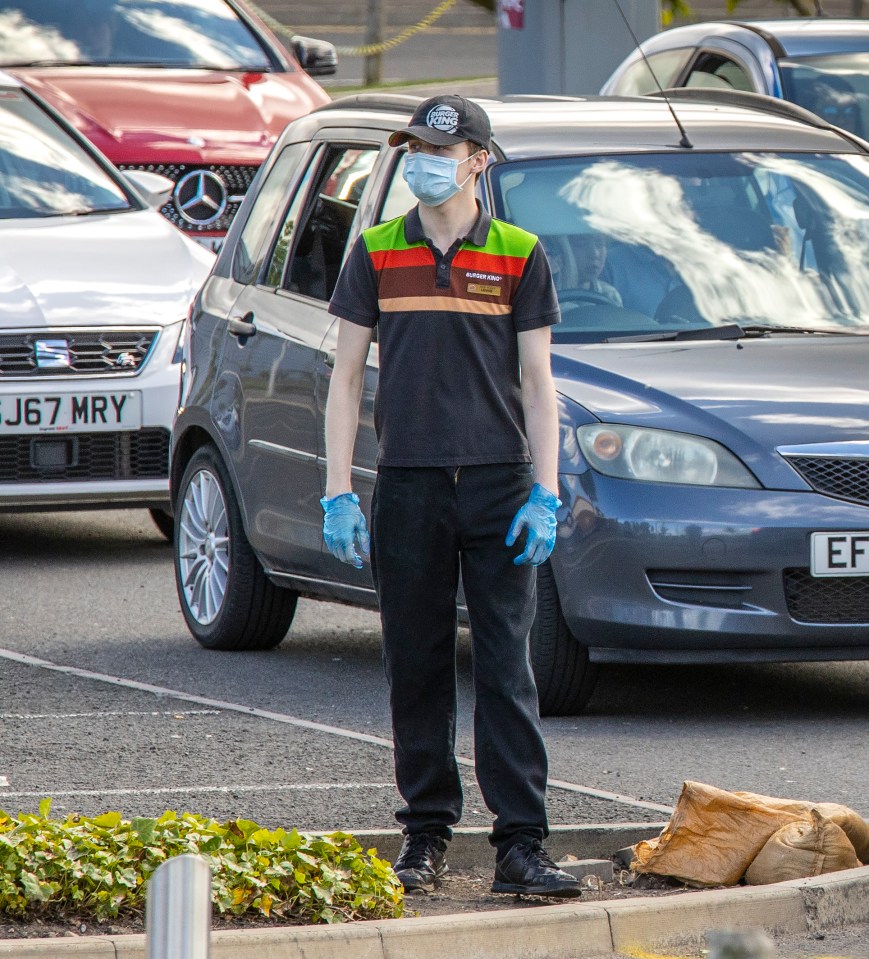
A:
187,790
175,714
352,734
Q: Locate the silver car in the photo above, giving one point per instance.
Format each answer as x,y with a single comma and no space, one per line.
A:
818,63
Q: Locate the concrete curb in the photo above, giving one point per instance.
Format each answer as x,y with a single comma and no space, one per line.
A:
550,932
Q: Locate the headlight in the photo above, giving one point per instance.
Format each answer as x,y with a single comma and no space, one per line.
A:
661,456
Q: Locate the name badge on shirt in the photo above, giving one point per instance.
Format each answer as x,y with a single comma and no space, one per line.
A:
484,288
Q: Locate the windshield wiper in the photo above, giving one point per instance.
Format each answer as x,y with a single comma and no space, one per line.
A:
763,329
730,332
54,63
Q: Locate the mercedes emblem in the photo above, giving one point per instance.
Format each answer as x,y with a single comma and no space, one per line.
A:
200,197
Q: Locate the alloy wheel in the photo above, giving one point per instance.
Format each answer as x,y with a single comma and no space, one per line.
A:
203,547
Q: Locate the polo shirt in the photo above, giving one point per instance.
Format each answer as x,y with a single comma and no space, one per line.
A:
448,391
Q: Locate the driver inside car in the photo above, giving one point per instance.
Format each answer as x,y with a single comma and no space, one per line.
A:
589,254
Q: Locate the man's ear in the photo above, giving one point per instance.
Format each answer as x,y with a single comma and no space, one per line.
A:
479,161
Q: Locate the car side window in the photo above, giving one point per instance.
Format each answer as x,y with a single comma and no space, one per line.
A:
333,201
250,252
637,80
398,197
716,71
281,250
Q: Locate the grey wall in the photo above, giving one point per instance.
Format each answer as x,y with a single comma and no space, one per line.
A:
571,46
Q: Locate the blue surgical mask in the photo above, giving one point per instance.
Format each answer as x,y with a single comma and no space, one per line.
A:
432,179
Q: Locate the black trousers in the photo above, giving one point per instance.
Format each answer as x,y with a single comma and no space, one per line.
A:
426,521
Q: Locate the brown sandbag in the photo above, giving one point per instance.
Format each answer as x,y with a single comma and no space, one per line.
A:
801,850
714,835
852,823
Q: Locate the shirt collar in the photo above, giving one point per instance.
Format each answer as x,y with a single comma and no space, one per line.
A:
478,234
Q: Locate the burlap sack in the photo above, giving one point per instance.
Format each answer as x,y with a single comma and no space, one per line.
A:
714,835
800,850
850,822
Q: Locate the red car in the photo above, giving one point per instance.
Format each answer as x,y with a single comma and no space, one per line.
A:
197,90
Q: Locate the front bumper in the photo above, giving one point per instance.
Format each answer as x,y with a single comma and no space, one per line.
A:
680,574
123,468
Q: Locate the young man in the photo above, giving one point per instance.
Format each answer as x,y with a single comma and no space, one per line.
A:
467,465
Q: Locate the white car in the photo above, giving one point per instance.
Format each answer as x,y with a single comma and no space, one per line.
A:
95,287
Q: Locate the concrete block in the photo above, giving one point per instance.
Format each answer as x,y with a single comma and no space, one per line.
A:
538,932
835,899
85,947
129,947
340,941
580,868
683,919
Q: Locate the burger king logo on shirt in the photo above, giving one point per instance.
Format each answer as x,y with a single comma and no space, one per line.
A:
443,117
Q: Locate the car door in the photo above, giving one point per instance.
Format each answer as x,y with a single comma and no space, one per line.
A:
279,323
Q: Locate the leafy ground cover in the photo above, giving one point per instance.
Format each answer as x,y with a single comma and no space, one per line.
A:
96,870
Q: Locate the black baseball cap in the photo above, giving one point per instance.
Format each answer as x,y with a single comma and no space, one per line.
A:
446,120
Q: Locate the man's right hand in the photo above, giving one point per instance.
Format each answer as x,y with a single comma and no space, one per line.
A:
343,525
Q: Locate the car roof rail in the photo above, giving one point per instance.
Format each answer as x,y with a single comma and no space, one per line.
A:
387,102
743,98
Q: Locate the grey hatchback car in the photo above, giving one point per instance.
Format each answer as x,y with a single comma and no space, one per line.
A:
710,259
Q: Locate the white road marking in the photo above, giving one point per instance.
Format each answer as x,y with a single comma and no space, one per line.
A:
176,714
186,790
220,704
3,782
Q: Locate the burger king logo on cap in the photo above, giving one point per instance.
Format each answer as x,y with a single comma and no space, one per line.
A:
443,117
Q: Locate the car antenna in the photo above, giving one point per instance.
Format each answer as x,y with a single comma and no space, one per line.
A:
684,142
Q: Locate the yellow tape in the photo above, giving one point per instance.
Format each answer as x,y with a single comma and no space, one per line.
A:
368,49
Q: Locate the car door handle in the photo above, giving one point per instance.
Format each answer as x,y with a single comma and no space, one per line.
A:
242,325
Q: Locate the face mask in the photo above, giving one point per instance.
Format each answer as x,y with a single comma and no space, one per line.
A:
432,179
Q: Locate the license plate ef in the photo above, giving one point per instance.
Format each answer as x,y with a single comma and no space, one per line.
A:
840,554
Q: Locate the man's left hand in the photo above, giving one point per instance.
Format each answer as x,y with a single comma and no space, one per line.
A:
537,518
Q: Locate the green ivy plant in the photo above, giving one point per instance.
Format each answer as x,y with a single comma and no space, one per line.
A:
100,867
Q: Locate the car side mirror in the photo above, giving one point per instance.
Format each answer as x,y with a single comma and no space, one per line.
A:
318,58
154,188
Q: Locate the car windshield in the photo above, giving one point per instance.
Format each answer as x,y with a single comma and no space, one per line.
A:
43,171
695,244
166,33
835,86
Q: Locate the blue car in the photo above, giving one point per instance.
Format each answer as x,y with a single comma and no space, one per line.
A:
820,64
711,366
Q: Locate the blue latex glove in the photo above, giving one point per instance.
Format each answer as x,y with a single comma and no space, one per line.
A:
537,518
343,525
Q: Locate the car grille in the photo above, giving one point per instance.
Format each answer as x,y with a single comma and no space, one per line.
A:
234,180
140,454
98,352
830,600
844,477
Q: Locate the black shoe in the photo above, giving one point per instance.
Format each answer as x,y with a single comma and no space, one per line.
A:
421,862
527,870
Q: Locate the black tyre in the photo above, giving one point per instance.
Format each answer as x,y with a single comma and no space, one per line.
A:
565,677
164,521
226,597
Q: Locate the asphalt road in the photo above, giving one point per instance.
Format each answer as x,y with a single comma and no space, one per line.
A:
300,735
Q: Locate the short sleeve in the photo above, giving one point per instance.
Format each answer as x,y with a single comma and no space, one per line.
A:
355,296
535,303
